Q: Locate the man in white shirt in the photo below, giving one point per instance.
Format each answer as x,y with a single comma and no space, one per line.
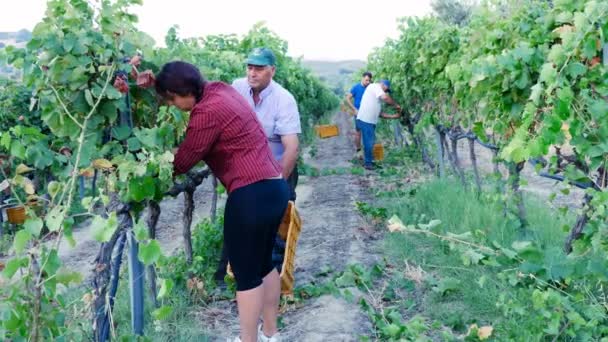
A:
369,112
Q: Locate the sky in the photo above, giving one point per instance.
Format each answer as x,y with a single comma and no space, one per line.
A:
314,29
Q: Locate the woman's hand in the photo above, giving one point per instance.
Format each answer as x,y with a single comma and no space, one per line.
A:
145,79
135,61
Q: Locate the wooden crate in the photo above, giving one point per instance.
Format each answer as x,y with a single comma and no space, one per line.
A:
289,230
327,131
378,152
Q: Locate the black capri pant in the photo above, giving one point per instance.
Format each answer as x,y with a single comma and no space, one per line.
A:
251,220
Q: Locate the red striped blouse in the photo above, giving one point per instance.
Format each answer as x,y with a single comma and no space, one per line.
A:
225,133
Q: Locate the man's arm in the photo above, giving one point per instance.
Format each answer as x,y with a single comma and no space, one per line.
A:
287,126
390,116
290,155
389,100
349,100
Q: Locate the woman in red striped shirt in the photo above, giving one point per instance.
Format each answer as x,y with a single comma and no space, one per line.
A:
224,132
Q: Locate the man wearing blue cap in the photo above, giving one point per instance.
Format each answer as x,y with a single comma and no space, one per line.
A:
368,114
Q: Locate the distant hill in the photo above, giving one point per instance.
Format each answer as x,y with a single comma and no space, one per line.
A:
338,75
18,39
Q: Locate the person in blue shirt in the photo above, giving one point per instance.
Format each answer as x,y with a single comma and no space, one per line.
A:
356,93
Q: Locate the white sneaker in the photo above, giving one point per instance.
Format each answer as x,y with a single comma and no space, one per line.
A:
264,338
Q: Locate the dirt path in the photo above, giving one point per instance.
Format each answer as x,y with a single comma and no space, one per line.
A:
333,235
169,230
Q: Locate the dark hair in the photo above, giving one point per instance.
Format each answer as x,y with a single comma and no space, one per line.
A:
180,78
368,74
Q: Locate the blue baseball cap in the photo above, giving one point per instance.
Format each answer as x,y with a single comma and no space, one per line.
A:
387,83
261,56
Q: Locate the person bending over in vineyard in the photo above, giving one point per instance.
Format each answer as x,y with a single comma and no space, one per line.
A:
224,132
356,93
367,116
278,113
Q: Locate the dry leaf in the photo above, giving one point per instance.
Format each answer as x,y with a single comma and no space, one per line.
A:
595,61
484,332
394,224
102,164
414,273
564,28
4,185
195,284
87,298
196,287
22,168
88,172
32,200
28,187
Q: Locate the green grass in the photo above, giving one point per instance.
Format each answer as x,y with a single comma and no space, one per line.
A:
183,322
181,325
460,212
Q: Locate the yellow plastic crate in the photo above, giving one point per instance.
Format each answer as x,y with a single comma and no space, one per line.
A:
289,230
16,214
378,152
327,131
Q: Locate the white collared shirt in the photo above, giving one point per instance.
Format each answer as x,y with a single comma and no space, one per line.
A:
371,104
277,111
